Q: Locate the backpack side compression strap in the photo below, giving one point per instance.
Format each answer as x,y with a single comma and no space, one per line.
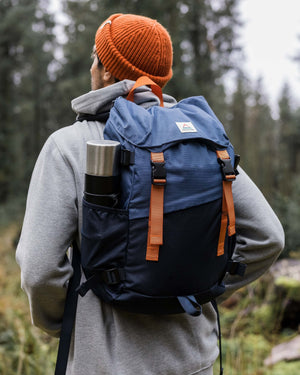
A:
156,212
228,213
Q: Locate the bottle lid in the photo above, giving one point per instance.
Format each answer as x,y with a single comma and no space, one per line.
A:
103,158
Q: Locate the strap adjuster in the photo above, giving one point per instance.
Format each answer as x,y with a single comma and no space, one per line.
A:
159,173
237,159
227,169
113,276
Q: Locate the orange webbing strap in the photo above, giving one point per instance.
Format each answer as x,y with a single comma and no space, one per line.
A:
223,226
156,212
228,213
146,81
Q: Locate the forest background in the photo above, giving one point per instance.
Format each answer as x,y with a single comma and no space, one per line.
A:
44,64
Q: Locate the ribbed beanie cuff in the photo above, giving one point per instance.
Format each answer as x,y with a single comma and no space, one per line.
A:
131,46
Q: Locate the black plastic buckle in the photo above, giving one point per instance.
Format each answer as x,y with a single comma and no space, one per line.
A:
237,159
159,173
112,276
227,170
127,157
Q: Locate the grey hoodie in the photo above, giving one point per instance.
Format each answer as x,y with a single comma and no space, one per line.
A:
105,340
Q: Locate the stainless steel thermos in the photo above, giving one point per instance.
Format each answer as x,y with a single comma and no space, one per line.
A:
102,177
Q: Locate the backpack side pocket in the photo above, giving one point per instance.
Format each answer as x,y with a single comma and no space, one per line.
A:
104,245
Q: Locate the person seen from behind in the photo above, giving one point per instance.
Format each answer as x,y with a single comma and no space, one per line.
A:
106,340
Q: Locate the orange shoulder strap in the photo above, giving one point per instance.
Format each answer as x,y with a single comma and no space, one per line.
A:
156,212
228,214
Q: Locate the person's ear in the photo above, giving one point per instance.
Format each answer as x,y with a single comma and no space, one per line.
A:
108,78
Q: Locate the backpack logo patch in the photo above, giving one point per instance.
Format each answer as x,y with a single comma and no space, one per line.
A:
186,127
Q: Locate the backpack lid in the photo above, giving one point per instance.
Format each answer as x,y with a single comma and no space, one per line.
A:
157,127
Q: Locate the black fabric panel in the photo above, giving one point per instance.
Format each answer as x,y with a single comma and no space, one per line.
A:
188,262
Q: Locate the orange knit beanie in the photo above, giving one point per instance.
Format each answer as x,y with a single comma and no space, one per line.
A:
130,46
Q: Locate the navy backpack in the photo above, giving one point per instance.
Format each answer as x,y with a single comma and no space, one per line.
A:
168,244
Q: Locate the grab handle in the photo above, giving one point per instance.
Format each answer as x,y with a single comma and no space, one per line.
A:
146,81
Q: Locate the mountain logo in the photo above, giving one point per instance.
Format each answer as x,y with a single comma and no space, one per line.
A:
186,127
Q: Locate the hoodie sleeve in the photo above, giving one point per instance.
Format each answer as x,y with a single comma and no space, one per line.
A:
49,226
260,237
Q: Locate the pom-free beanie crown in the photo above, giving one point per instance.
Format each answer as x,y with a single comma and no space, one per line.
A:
131,46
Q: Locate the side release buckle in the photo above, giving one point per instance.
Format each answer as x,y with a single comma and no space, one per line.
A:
227,169
159,173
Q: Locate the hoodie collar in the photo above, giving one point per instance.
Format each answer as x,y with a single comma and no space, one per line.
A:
100,101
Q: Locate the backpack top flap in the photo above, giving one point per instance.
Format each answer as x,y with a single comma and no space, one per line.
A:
158,127
188,134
